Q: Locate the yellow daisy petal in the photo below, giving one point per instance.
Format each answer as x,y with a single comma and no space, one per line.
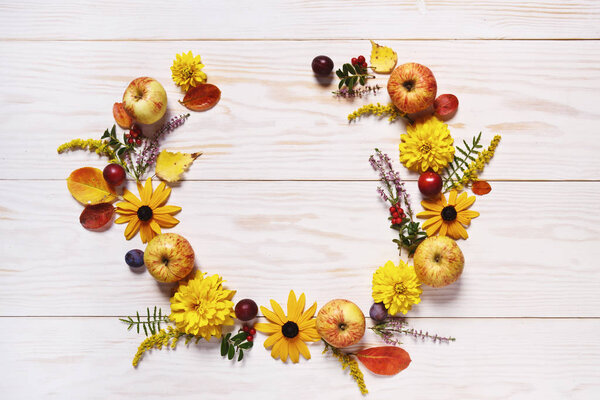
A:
431,221
428,214
271,340
284,349
308,314
443,229
432,206
271,316
452,198
465,203
267,328
160,195
125,218
155,226
293,351
166,221
132,228
146,192
469,214
303,349
146,233
166,210
131,198
126,206
276,350
279,311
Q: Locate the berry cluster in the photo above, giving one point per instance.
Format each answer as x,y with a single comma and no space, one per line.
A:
134,136
397,214
250,331
359,62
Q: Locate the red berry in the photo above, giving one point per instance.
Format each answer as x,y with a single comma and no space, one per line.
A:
135,130
250,338
138,141
134,134
114,174
395,215
130,140
253,331
430,184
364,65
361,59
400,210
354,61
246,328
392,209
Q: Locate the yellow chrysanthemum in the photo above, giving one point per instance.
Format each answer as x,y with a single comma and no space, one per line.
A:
289,334
448,218
149,214
187,71
202,306
397,287
426,145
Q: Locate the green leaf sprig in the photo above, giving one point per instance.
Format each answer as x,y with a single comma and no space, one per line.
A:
119,148
236,344
467,154
351,75
410,235
150,324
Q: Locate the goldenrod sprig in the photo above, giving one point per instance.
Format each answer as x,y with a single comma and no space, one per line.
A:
349,362
470,173
460,162
168,337
379,110
97,146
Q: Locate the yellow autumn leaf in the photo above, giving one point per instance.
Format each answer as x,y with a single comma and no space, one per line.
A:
88,186
383,59
170,166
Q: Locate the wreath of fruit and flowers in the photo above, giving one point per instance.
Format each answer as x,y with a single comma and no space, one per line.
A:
201,306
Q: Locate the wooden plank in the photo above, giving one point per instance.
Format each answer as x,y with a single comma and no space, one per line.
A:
276,122
57,358
529,253
271,19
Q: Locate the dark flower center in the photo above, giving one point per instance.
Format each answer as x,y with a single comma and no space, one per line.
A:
449,213
290,329
144,213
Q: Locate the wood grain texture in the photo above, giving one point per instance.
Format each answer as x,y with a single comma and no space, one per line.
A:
275,121
526,256
58,358
299,19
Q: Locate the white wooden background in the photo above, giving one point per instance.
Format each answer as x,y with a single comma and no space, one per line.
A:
284,198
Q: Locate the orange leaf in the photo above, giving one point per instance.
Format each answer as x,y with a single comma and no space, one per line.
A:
88,186
202,97
123,119
96,216
385,360
481,187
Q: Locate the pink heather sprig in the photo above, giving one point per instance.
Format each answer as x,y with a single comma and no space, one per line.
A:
147,157
396,192
397,326
364,91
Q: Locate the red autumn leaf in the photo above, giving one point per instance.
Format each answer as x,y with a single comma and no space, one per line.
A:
385,360
96,216
123,119
481,187
445,106
202,97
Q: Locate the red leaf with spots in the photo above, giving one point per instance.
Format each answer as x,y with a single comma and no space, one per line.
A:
481,187
385,360
202,97
96,216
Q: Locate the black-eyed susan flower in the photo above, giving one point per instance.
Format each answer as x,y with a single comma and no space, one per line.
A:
288,334
148,213
187,71
202,306
397,287
427,144
448,218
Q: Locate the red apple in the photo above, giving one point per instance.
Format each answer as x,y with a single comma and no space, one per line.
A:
438,261
145,100
169,257
341,323
430,184
412,87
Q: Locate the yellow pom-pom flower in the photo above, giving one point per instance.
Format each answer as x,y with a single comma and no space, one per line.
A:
427,145
202,306
187,71
397,287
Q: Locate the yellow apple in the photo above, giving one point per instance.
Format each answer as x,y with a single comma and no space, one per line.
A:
438,261
341,323
145,100
412,87
169,257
